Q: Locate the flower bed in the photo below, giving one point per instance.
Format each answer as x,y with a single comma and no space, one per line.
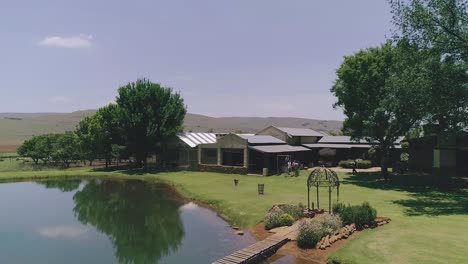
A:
283,215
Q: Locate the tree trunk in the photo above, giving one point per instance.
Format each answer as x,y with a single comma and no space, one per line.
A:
384,163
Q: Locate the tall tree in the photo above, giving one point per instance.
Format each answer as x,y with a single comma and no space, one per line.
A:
378,105
150,114
439,30
438,24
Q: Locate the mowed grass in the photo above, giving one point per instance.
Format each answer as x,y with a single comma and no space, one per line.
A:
427,226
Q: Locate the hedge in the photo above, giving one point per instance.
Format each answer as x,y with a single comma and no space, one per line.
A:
360,215
360,164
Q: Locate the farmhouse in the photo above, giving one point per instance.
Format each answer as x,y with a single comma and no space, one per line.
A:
436,153
248,153
266,152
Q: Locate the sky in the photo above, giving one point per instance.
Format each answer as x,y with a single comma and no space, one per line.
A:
225,57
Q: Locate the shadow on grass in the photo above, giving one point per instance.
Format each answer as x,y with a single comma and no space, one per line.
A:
408,183
434,203
427,197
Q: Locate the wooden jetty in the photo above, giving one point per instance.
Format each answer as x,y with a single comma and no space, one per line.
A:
262,249
256,252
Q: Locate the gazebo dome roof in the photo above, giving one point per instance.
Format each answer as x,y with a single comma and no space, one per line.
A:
323,177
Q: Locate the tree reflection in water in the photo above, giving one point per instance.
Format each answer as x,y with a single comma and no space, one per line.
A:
141,219
64,186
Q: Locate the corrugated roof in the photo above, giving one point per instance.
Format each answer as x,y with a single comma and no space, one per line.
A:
340,140
300,132
195,139
337,146
278,148
261,139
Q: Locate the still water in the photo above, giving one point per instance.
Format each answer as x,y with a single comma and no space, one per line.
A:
108,221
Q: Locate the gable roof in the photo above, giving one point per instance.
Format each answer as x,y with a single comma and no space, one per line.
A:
300,132
195,139
261,139
340,140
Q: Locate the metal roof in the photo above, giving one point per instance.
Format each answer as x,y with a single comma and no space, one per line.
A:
300,132
342,146
195,139
337,146
261,139
278,148
340,140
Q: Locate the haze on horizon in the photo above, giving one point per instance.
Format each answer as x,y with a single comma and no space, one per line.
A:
227,58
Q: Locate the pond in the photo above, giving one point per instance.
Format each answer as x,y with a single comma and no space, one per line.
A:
108,221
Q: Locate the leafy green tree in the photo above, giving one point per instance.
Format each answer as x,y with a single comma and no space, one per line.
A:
142,222
149,115
438,24
28,149
108,118
88,133
37,148
378,104
65,149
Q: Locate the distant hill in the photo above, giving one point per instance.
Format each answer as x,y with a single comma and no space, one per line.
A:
17,127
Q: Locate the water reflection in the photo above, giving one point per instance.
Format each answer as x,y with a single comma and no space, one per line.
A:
64,186
142,220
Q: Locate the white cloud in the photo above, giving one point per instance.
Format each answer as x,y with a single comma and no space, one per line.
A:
189,206
63,232
81,41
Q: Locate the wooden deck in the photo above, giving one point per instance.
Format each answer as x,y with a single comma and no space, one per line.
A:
262,249
256,252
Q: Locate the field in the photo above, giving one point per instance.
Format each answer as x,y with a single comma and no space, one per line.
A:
428,226
17,127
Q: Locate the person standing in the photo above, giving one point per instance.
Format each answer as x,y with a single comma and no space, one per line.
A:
289,166
354,168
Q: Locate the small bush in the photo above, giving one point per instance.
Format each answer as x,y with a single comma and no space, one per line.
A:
295,211
338,208
275,217
272,219
326,163
363,164
360,215
286,220
364,215
310,234
348,164
330,223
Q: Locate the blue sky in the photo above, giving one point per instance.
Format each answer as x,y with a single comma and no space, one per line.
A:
227,58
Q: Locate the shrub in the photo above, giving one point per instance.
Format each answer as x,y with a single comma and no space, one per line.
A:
272,218
286,220
338,208
295,211
360,215
364,215
348,164
275,217
347,215
363,164
330,223
326,163
310,234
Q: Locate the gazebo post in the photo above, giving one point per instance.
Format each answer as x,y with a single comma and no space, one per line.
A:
338,193
308,196
318,204
329,199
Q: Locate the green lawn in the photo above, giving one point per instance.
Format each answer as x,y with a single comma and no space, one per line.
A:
427,226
